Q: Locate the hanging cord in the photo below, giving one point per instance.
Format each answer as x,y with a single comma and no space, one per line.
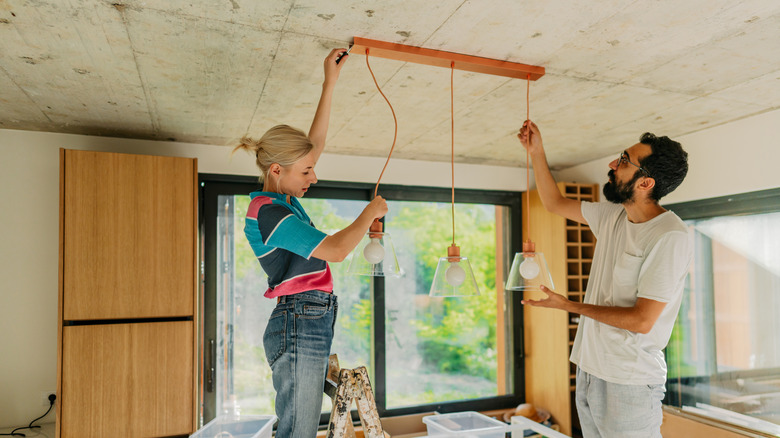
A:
395,134
528,154
452,160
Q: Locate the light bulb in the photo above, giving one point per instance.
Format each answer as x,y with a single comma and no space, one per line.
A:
455,275
374,252
529,269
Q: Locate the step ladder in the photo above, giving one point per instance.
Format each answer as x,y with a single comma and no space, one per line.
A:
344,386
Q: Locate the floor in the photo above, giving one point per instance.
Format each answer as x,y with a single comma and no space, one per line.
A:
45,431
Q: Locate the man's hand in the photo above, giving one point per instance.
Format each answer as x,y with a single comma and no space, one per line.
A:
530,137
639,318
553,300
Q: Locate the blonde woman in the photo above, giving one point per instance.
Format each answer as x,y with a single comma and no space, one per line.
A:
294,255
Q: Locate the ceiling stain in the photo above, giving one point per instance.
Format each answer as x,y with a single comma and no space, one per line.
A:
326,16
370,12
404,33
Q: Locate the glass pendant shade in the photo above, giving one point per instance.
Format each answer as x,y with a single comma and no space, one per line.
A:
375,255
454,277
529,270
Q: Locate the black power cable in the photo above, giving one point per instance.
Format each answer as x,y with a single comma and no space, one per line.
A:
52,397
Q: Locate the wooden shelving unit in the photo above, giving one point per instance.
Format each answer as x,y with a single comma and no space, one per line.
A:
580,244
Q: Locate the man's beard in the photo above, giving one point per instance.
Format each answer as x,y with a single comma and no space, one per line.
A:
619,193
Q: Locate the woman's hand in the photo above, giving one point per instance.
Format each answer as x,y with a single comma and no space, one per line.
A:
337,247
319,126
332,69
377,208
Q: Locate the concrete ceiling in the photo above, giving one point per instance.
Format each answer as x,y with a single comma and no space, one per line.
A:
211,71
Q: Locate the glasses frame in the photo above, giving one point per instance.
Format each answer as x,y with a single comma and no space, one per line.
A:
624,158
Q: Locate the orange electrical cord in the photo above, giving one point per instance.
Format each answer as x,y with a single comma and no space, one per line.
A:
452,160
528,154
395,135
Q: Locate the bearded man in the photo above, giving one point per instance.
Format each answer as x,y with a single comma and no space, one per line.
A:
637,278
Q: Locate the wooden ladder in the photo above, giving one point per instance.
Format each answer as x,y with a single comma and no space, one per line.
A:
343,386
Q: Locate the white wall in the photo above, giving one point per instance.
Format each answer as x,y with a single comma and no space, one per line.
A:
739,157
29,233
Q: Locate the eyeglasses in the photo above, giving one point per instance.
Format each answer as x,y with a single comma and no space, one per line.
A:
624,158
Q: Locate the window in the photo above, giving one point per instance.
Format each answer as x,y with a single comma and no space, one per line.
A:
422,353
724,354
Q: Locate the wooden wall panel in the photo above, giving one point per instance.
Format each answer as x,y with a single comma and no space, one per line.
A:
568,250
546,332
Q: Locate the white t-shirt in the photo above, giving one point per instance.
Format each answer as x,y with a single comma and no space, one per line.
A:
648,260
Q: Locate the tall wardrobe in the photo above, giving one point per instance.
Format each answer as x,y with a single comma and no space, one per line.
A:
127,295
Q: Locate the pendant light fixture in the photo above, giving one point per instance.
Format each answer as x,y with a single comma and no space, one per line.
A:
368,258
454,276
529,269
375,255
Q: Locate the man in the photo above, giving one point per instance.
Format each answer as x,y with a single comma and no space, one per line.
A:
636,284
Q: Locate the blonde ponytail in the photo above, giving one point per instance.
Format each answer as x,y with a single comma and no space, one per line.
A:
281,144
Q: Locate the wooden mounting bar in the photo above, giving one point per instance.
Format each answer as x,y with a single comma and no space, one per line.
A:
438,58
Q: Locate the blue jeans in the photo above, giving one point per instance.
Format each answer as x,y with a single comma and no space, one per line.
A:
297,344
611,410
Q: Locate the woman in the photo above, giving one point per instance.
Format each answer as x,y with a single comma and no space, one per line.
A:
294,254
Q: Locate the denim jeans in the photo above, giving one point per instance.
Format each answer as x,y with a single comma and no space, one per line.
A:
297,344
611,410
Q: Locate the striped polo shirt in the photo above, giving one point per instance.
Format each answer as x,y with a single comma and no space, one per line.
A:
283,237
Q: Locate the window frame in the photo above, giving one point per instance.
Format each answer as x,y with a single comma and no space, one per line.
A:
742,204
213,185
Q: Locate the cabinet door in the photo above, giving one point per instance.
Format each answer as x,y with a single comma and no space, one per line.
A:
128,236
127,380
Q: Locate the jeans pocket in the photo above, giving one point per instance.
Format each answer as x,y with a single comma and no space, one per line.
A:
275,336
313,309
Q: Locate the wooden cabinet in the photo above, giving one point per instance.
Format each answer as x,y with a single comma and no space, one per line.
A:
126,341
130,380
129,236
549,334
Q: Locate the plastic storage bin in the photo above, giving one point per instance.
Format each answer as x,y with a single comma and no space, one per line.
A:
464,424
245,426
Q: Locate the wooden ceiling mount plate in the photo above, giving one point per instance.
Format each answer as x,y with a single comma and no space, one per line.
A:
439,58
